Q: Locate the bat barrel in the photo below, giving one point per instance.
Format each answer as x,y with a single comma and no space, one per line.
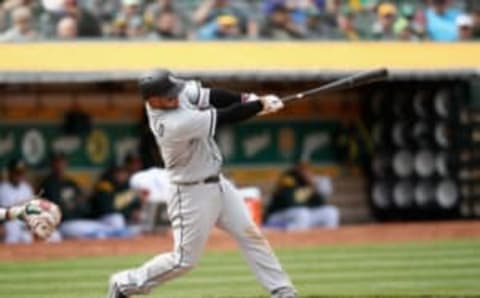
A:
352,81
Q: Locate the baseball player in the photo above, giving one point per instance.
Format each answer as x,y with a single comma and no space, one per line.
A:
184,117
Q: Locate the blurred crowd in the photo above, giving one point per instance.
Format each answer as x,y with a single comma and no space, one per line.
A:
407,20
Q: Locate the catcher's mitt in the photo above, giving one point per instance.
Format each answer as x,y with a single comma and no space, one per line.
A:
42,217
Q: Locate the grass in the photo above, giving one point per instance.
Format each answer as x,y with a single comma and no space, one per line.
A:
438,269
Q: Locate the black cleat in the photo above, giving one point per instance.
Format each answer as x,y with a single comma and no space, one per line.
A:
284,292
114,291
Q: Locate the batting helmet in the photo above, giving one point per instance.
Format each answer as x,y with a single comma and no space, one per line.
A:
159,82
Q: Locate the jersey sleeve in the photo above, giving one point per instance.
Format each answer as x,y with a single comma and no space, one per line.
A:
197,95
192,124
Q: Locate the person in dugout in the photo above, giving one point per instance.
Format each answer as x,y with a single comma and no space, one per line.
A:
114,198
299,201
59,188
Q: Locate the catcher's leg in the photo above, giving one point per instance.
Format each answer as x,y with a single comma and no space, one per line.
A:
193,211
17,232
236,220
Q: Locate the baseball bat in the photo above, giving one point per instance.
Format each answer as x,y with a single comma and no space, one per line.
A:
352,81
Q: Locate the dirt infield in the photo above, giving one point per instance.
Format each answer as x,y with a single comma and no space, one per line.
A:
379,233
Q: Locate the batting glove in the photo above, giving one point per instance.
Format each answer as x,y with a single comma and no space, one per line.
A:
249,97
271,104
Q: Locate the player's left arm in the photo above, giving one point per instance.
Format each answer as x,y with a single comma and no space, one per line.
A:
220,98
214,97
224,99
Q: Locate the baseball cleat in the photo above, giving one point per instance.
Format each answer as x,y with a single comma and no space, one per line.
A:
285,292
114,291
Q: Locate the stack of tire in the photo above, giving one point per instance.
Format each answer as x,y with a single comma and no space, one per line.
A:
413,172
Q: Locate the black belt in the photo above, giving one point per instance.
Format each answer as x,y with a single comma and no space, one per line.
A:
211,179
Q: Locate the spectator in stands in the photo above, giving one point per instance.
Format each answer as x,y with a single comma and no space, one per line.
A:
136,29
13,191
476,24
176,10
22,28
318,19
302,13
383,27
167,26
347,29
158,6
131,9
132,29
129,21
119,28
403,31
8,6
210,10
299,201
87,25
67,28
279,25
440,21
103,10
53,6
330,17
465,27
224,27
409,26
314,25
5,10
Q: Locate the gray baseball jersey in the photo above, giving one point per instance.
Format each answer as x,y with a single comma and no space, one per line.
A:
185,136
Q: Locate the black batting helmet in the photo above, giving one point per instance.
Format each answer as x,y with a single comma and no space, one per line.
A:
159,82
